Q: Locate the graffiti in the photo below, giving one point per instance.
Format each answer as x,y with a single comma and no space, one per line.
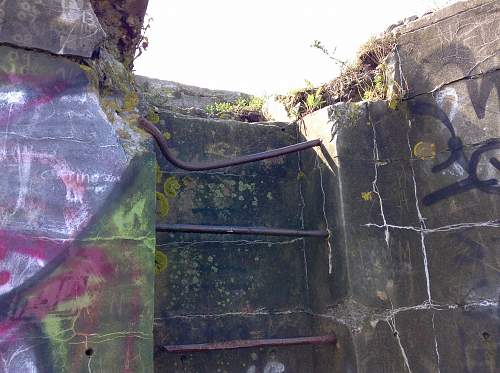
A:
457,156
479,87
62,219
59,26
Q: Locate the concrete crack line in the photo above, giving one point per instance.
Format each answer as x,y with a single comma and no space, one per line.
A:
480,62
436,347
392,325
385,316
445,84
422,223
325,217
301,215
258,312
375,189
68,139
446,228
189,244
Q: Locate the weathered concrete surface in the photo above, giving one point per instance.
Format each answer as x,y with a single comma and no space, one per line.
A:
457,42
218,288
408,280
419,210
76,215
182,98
61,27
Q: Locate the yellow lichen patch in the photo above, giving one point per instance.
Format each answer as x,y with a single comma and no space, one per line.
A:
161,262
162,205
167,135
300,175
130,102
367,196
171,187
425,150
153,117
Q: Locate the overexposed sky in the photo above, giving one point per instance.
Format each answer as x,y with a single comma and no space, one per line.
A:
262,46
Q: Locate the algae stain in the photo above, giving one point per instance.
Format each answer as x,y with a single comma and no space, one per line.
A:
162,205
130,217
130,102
161,262
153,117
171,186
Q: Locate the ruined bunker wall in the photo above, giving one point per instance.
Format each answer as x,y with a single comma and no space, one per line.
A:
221,288
417,190
76,198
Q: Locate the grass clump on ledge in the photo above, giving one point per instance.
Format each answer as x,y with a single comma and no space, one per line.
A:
367,78
243,109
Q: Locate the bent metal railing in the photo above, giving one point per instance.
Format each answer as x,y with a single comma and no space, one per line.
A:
192,166
220,229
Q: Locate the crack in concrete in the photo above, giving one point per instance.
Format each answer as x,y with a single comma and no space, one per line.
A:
349,313
445,84
325,217
446,228
301,215
375,189
189,244
422,224
392,325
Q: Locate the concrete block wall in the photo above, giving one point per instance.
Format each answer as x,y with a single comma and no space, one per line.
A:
76,198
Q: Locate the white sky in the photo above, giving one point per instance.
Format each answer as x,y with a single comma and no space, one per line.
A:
262,46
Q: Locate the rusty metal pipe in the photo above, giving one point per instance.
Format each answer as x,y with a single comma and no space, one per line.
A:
255,343
226,229
192,166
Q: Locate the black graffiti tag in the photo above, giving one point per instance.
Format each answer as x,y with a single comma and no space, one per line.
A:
491,186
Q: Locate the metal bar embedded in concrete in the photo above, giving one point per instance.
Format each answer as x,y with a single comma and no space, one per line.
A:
193,166
255,343
225,229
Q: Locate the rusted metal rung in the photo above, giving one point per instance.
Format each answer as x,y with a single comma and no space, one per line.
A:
252,343
192,166
223,229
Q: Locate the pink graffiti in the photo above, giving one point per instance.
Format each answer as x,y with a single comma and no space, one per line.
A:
68,285
47,88
75,212
4,277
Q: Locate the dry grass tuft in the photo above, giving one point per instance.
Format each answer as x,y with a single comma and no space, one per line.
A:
365,79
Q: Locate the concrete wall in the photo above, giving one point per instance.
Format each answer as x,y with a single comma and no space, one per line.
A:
417,196
218,288
76,198
409,279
